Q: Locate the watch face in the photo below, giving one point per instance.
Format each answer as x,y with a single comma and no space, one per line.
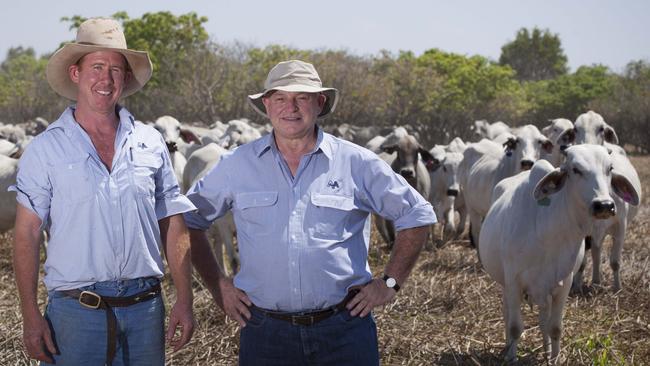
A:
390,282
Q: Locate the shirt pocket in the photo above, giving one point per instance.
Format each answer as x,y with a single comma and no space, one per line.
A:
75,181
328,215
145,167
257,209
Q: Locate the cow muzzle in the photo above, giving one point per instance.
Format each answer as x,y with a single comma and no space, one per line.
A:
526,164
452,192
603,209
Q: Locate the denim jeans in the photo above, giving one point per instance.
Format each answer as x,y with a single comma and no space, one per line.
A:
80,333
341,339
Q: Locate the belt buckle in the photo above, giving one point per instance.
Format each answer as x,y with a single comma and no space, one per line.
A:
90,295
305,320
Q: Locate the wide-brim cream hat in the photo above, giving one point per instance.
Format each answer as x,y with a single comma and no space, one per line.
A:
295,76
96,34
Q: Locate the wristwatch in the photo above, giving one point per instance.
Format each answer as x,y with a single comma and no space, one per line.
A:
391,282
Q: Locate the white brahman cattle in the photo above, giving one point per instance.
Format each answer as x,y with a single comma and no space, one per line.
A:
484,130
410,160
532,237
487,162
562,134
223,230
445,194
178,140
8,171
591,128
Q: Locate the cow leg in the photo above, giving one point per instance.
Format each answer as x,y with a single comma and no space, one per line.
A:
545,323
514,324
559,298
618,237
462,218
578,276
226,228
596,247
450,225
474,228
215,235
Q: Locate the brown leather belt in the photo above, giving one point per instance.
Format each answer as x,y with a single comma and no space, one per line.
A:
92,300
313,317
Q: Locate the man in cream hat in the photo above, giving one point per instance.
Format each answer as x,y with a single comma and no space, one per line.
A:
103,187
301,200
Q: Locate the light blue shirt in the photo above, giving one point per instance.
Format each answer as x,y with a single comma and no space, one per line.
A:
103,225
303,240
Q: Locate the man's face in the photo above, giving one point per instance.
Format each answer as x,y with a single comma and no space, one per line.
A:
100,77
293,115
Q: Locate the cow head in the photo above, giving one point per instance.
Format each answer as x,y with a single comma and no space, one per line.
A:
587,175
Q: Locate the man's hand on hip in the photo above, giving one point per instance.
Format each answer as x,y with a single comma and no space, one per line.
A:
373,294
234,301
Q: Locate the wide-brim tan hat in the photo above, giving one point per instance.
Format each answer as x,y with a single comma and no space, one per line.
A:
295,76
96,34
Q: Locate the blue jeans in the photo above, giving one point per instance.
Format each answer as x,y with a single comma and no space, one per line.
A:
341,339
80,333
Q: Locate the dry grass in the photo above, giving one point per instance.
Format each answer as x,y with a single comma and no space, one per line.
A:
449,312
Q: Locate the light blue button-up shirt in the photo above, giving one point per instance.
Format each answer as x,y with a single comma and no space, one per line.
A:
303,240
103,225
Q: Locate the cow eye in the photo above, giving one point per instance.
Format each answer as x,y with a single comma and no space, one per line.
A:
609,170
577,171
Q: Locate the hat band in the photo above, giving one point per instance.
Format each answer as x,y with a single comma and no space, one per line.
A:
295,81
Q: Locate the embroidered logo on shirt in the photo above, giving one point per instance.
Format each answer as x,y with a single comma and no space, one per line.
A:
333,184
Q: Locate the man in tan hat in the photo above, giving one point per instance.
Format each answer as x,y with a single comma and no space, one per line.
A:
301,200
103,187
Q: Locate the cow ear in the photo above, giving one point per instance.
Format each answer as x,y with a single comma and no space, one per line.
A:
610,136
567,137
624,189
547,130
189,136
547,145
389,149
510,145
550,184
430,162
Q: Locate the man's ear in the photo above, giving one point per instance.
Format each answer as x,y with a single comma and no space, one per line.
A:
73,73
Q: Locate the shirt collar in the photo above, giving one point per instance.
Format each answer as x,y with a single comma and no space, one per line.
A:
69,124
323,143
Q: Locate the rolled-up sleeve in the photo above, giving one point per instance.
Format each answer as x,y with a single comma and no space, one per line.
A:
391,197
33,188
211,196
169,200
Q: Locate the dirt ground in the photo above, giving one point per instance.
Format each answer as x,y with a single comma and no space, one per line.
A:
448,313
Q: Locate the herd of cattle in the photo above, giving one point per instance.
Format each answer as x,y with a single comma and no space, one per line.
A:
536,200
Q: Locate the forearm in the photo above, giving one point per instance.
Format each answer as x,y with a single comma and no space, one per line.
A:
204,261
176,244
26,260
408,244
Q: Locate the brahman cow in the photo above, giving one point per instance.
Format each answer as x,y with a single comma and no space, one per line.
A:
562,134
487,162
532,237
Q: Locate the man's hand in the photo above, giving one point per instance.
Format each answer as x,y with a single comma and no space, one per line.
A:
38,338
373,294
182,319
233,301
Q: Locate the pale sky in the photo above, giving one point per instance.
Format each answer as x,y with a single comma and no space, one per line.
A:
612,33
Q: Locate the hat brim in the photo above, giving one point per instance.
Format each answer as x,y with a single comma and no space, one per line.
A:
332,99
58,65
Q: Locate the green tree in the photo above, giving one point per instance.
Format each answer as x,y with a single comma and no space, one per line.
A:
535,55
569,95
24,92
